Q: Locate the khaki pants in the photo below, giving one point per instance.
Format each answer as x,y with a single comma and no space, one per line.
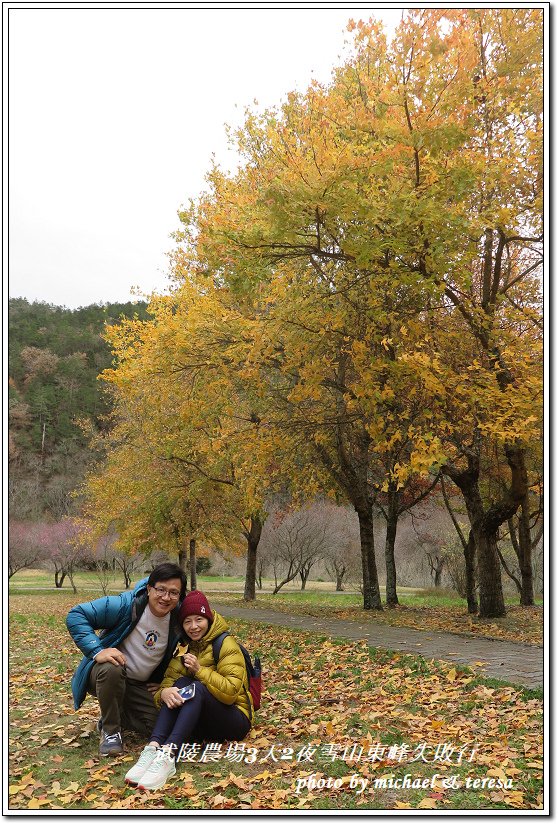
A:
125,703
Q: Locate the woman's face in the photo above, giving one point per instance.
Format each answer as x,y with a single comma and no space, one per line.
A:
195,626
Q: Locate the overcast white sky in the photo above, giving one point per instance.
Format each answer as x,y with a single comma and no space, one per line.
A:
113,118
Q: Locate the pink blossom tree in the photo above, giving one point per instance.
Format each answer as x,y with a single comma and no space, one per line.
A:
66,552
25,549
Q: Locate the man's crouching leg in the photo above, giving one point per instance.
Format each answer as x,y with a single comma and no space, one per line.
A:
108,683
139,712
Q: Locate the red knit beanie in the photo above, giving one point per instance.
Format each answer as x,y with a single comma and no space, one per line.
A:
195,603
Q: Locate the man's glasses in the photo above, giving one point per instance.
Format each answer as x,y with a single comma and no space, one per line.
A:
173,594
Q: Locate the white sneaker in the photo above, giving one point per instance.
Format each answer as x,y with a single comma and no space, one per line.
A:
135,773
159,771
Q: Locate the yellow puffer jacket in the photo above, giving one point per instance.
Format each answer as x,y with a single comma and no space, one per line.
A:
227,680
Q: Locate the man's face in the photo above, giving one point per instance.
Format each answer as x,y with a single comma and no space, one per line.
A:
163,596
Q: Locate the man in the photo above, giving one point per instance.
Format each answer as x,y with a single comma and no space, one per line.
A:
125,663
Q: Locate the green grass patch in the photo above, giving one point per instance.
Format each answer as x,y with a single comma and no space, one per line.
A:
86,580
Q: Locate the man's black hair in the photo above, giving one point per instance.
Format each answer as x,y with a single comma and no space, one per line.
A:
164,572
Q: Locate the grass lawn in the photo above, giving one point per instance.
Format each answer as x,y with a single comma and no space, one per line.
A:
428,609
84,580
340,727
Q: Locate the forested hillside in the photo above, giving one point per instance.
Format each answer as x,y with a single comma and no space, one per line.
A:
55,356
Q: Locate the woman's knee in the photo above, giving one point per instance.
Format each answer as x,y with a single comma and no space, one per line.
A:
184,681
201,693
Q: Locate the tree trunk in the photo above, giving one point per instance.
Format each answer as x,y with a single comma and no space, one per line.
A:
484,526
391,532
353,478
525,555
183,562
59,578
491,600
491,595
508,572
469,552
470,575
253,538
339,580
304,575
370,584
193,575
292,572
438,575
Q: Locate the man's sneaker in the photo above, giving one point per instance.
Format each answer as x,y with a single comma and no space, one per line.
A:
159,771
136,772
111,744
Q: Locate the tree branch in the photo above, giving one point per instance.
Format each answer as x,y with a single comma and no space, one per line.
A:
454,521
198,468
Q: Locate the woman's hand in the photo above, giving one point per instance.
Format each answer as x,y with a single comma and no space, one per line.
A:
171,697
191,662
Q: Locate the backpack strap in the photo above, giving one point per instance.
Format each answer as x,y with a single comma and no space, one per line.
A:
216,645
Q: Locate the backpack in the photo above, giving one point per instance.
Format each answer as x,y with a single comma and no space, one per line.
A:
253,670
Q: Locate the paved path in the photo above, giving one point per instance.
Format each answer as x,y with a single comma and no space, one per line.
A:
518,663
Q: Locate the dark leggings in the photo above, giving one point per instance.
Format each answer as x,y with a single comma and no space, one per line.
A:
201,718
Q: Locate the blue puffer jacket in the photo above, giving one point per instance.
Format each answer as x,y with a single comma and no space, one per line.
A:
115,616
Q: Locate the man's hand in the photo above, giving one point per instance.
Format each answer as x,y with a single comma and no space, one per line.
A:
172,698
112,656
152,687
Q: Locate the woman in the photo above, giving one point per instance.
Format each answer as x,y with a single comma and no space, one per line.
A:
221,708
